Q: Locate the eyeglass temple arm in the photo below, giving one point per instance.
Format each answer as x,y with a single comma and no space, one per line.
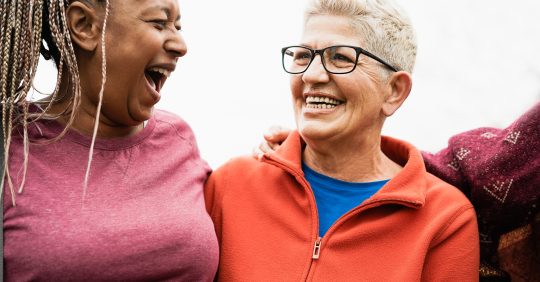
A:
378,59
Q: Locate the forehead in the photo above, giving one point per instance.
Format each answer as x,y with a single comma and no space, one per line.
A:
325,30
171,7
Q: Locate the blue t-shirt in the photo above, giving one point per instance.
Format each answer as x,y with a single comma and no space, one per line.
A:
336,197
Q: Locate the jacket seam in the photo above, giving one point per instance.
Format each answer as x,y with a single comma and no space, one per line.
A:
461,211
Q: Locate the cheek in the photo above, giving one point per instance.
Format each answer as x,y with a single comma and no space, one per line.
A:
297,86
359,91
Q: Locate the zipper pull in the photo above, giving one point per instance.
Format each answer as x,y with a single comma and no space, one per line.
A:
317,249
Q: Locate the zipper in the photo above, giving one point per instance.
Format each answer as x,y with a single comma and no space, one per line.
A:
317,249
303,182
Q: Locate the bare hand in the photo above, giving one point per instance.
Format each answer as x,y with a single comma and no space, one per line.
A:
272,140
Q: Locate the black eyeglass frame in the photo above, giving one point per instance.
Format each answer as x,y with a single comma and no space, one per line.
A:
321,51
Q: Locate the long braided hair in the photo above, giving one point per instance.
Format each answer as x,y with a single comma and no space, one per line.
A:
27,29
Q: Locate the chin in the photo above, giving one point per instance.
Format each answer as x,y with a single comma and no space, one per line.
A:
316,131
141,113
145,116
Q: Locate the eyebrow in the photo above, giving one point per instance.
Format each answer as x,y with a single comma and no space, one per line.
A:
166,10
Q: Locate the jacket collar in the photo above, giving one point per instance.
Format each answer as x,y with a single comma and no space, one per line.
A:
408,187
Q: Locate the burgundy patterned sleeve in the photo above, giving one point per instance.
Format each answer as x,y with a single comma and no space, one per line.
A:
498,170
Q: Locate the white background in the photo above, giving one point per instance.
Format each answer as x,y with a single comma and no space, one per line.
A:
478,65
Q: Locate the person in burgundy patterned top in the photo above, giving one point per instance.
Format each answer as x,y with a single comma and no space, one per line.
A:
499,171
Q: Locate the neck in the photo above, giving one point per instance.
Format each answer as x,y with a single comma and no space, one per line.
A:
362,161
85,116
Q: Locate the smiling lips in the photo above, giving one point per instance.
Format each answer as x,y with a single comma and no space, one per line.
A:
156,77
318,102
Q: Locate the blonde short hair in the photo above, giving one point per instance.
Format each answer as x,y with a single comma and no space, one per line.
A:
384,27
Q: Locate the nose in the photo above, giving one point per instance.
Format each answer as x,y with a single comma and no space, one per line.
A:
315,73
176,45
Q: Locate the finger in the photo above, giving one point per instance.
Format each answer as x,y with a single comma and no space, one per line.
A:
270,132
264,147
277,134
273,145
257,153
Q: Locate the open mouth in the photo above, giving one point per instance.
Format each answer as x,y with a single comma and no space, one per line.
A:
156,77
317,102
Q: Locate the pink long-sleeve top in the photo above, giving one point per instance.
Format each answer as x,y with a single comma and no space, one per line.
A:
142,219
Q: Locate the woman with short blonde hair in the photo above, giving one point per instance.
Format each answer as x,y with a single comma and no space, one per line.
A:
338,201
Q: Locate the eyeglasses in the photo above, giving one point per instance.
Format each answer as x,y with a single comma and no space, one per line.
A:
338,59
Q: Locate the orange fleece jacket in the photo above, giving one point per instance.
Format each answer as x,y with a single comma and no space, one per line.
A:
416,228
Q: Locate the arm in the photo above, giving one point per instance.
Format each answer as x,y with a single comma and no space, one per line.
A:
212,199
455,253
497,169
212,196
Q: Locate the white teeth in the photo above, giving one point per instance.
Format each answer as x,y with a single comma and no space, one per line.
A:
326,100
320,106
163,71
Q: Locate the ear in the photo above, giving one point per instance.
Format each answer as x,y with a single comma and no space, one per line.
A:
84,25
400,84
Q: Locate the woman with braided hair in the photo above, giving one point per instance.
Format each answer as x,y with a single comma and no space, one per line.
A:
112,188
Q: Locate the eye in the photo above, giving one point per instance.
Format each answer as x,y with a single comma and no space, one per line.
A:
302,57
342,58
159,24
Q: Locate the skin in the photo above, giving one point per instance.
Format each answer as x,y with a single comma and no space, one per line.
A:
357,122
140,34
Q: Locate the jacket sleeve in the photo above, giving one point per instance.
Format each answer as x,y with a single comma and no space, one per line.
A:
454,254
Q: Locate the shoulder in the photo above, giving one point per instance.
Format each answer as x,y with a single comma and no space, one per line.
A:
239,166
244,173
227,179
169,123
445,200
165,117
438,193
437,188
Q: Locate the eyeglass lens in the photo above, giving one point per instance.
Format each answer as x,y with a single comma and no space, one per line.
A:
336,59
